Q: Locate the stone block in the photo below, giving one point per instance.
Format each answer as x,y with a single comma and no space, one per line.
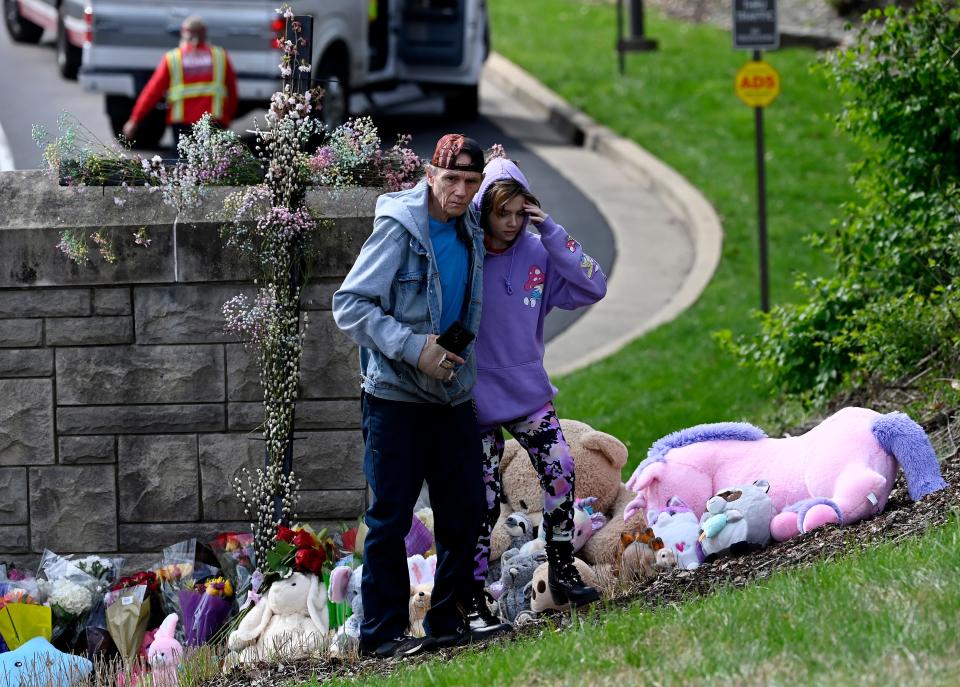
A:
330,367
30,259
26,362
153,537
319,295
158,478
347,504
184,313
243,378
16,539
146,419
111,302
83,331
93,449
310,415
73,508
139,374
332,460
19,333
26,422
43,302
13,496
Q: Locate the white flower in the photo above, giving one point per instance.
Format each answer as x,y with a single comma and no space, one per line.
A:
70,596
120,202
156,159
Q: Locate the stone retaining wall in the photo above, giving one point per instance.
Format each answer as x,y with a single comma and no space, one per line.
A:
125,410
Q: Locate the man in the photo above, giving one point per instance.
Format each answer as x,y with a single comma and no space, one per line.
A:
197,78
418,273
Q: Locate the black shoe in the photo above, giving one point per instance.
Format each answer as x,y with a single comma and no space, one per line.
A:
458,637
399,647
481,623
563,579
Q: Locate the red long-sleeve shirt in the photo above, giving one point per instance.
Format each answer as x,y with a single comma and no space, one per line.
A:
197,68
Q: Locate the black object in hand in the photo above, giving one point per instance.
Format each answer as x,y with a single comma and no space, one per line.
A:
456,338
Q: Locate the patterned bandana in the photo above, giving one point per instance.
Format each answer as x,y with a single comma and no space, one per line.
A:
450,146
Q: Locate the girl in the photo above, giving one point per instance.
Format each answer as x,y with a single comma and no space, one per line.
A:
525,275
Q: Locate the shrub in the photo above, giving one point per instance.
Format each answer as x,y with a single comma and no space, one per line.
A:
892,300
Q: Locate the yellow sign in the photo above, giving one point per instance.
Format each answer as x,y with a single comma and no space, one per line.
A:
757,84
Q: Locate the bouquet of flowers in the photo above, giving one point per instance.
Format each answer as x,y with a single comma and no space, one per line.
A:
69,591
299,549
178,570
22,616
205,608
127,614
234,551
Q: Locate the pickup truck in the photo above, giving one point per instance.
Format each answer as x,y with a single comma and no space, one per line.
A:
358,46
26,21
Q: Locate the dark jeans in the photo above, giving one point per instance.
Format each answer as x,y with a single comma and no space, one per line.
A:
405,444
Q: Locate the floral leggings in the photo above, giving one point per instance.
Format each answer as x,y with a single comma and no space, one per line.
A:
541,436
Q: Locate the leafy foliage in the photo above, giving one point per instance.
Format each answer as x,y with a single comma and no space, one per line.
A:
893,298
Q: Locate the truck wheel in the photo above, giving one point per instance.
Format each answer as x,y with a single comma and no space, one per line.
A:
333,77
463,102
68,55
21,30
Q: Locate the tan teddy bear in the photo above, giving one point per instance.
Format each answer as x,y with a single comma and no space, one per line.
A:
420,595
599,457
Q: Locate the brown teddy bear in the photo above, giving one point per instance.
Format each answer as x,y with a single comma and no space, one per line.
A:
599,457
419,605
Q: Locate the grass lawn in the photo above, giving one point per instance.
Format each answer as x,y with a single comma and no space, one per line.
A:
678,103
882,616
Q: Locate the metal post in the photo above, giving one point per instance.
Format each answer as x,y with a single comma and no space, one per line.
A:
761,201
636,41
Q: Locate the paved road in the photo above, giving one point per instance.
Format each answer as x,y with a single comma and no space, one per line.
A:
33,93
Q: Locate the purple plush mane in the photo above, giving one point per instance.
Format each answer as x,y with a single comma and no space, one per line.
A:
716,431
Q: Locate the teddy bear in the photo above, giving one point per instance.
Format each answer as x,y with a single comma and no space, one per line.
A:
541,599
420,595
165,653
512,591
737,520
598,457
291,620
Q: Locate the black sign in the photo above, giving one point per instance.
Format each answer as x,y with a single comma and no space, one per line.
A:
755,25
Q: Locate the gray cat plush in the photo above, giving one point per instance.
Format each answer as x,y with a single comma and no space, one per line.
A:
737,520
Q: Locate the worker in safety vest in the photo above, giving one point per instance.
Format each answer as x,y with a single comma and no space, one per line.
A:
197,78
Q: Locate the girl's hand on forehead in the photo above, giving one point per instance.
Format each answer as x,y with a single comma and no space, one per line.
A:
535,214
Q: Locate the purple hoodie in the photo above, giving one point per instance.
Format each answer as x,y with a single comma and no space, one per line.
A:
520,286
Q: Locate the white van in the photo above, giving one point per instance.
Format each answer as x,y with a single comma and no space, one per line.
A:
358,46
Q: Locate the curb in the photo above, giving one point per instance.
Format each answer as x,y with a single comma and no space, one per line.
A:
670,187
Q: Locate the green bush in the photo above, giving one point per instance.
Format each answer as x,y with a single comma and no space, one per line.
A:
892,300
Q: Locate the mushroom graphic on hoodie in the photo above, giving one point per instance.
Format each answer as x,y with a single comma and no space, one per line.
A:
534,284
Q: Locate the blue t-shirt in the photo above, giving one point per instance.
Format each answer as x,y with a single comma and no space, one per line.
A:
452,264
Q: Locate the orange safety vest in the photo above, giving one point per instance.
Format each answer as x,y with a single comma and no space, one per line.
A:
179,91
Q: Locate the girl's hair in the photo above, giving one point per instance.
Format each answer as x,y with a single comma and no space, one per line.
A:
498,194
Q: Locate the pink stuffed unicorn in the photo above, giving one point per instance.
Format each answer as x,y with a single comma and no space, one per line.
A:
841,471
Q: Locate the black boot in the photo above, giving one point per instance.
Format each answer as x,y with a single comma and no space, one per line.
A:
481,623
563,578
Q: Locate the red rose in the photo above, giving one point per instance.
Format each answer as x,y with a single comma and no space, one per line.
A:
304,540
310,560
350,539
285,533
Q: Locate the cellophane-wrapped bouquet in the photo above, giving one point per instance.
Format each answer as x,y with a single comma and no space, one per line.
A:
205,608
234,551
69,591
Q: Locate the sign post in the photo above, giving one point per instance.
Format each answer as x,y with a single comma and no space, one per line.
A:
758,84
636,41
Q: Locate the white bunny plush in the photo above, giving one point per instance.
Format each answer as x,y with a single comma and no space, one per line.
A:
291,620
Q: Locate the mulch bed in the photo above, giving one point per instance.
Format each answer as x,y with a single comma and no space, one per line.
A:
902,518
